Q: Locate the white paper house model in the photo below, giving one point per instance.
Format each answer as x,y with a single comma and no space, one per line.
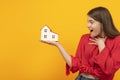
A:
47,35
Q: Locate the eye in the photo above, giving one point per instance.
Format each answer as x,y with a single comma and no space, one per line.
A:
91,22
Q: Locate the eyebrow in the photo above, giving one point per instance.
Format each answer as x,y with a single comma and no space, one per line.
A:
91,20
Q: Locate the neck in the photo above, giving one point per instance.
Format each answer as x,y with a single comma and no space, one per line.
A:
102,35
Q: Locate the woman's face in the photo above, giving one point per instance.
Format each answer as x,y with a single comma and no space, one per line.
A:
95,28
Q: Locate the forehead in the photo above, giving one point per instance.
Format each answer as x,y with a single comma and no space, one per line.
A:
90,18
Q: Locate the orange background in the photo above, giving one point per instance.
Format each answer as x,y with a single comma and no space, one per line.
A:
22,56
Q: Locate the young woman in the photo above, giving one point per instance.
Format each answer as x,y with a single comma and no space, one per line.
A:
97,55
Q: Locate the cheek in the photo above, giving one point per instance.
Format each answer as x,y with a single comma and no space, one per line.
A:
97,28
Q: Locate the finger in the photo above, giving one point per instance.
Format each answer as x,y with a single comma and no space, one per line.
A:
45,41
42,41
92,43
92,40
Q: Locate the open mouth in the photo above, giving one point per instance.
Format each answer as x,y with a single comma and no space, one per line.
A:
91,30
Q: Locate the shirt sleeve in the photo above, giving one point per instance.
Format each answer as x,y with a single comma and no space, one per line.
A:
108,62
76,61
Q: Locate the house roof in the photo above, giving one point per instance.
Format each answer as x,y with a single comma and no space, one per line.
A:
48,28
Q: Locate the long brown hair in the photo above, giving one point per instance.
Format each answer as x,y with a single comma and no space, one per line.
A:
102,15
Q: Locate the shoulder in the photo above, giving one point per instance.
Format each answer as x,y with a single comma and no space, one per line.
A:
117,39
85,36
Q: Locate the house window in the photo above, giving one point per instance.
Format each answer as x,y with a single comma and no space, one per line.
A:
45,30
45,36
53,36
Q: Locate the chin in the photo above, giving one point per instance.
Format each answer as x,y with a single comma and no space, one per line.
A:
91,36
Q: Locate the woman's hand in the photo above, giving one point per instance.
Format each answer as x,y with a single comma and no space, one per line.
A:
51,42
100,42
97,41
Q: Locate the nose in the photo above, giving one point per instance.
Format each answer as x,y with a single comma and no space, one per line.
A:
89,25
